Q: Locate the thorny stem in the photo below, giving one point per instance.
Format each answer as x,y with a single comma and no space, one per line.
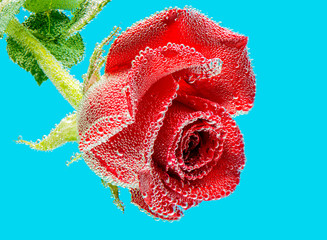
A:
66,84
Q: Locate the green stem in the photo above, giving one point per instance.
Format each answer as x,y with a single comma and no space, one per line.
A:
66,84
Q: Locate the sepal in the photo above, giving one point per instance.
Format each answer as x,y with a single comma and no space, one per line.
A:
115,194
84,14
65,131
96,61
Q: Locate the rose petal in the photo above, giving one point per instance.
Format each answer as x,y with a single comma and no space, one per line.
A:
153,64
137,199
121,157
158,200
103,99
167,148
233,89
224,177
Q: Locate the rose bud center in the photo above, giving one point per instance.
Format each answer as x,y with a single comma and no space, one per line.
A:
198,149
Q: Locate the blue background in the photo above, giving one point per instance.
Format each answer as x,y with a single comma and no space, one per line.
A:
282,194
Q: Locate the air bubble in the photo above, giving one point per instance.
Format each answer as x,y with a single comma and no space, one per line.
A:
100,129
125,90
184,205
119,152
191,79
141,57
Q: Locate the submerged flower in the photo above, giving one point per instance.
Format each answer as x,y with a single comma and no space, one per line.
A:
159,121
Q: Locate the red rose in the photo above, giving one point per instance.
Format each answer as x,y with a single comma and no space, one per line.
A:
159,121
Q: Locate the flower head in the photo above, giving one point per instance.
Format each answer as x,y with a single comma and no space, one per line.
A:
159,121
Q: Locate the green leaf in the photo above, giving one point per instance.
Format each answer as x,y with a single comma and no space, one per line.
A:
46,5
115,194
47,27
8,9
